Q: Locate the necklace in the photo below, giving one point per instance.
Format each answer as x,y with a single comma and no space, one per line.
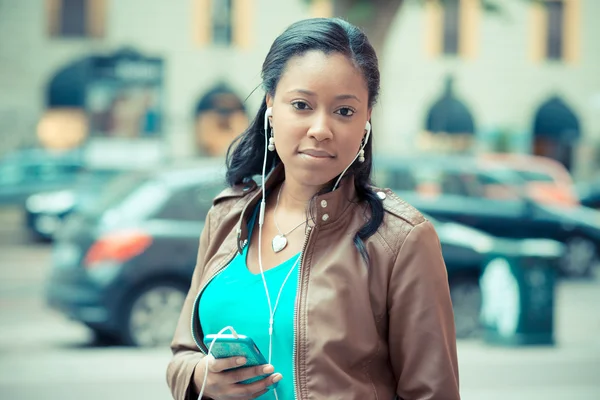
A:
279,242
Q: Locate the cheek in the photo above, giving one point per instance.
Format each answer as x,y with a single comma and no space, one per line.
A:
349,153
288,135
351,145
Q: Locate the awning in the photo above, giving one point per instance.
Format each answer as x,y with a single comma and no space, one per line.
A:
555,120
449,115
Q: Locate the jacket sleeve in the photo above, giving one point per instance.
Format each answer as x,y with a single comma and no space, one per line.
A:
186,354
422,335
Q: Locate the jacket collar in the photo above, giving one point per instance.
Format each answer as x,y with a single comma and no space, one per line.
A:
326,208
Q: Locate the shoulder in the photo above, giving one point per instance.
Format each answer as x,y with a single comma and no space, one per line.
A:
396,208
399,220
230,199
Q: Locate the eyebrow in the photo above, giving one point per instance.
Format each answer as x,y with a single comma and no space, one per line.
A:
338,97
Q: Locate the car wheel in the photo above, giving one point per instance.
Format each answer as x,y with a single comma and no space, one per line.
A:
466,302
102,338
153,314
580,257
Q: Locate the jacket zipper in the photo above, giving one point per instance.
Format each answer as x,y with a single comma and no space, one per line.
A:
219,270
195,310
294,359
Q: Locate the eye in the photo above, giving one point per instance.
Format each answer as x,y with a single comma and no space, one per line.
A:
300,105
345,112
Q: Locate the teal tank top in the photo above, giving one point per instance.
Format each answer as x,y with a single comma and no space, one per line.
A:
237,297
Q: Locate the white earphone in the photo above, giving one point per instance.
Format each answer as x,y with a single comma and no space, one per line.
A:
268,114
368,129
360,153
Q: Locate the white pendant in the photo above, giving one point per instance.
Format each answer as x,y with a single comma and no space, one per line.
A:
279,242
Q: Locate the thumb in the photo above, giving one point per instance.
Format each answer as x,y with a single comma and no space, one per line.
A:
211,363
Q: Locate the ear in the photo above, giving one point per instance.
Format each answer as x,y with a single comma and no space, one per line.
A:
269,100
369,113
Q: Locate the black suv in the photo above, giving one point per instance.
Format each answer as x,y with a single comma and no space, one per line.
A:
490,197
123,267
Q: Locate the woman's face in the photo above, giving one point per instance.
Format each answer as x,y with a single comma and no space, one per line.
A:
320,109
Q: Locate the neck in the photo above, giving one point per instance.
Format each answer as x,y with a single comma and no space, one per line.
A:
296,196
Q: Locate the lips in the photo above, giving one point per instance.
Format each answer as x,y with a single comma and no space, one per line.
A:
316,153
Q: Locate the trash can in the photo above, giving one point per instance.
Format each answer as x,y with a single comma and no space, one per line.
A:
518,293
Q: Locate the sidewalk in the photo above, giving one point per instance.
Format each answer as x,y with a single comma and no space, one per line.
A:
561,372
570,370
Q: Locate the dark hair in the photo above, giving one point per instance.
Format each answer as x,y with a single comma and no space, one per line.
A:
329,35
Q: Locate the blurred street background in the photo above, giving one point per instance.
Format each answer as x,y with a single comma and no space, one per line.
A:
43,355
115,117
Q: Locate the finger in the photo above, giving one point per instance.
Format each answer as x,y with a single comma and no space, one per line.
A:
222,364
242,374
256,387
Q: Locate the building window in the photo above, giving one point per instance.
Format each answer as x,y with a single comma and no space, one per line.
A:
555,33
222,22
76,18
555,30
72,16
451,26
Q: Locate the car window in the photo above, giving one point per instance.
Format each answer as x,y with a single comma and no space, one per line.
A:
139,204
190,203
114,192
401,179
534,176
497,184
429,180
146,200
459,183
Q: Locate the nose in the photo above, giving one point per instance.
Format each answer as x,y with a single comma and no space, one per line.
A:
320,129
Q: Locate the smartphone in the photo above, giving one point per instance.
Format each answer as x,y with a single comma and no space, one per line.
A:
227,345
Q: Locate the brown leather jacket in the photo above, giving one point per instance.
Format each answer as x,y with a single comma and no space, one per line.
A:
382,331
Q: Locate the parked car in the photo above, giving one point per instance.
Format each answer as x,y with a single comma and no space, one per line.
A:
490,198
545,180
45,212
26,172
123,267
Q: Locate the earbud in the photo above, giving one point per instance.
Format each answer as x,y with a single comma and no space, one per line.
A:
367,133
268,114
361,152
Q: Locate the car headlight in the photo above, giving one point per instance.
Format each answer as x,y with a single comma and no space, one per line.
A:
35,203
54,202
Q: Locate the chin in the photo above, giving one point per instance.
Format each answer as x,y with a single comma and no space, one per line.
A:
312,175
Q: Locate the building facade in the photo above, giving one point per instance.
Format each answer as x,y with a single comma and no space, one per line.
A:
206,56
522,78
455,77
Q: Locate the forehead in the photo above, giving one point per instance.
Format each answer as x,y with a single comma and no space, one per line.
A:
320,72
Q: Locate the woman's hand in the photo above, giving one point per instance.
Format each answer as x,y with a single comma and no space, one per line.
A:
222,384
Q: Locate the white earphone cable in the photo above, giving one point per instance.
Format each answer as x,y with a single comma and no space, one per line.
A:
205,360
368,128
261,221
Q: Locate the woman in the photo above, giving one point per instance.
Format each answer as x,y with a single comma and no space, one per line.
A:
343,284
